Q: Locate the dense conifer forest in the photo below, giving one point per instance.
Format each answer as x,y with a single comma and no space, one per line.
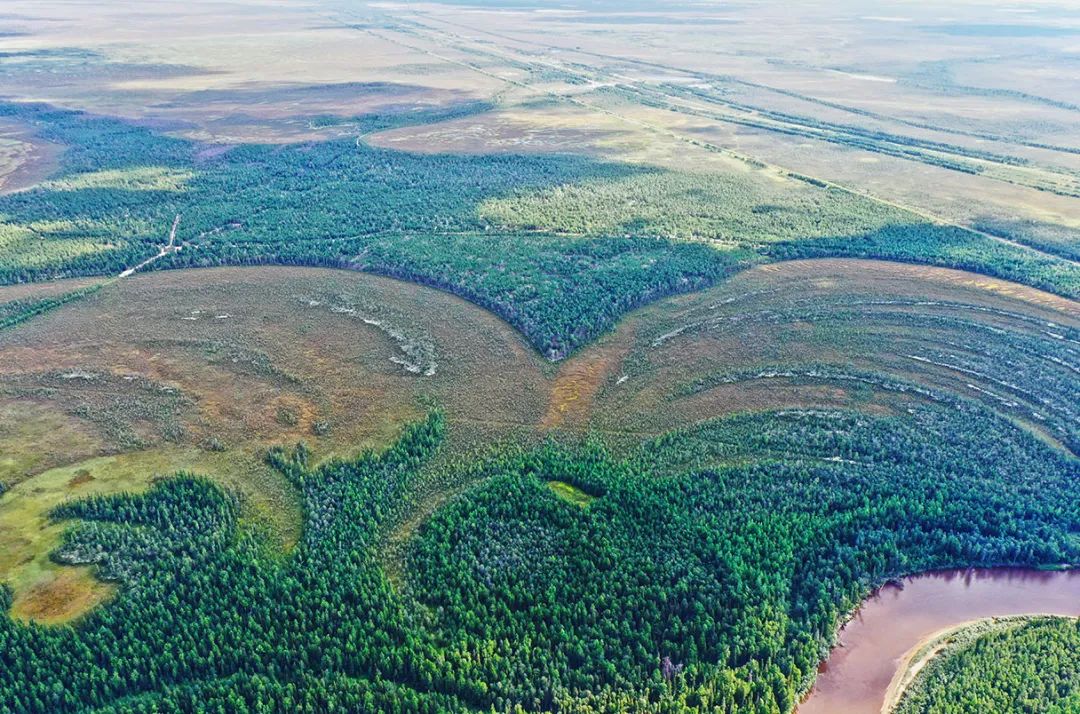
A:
560,246
708,570
1023,665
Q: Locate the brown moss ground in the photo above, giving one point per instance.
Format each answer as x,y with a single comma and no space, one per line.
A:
203,370
653,396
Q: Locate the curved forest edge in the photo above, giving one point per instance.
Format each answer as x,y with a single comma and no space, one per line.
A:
825,374
502,231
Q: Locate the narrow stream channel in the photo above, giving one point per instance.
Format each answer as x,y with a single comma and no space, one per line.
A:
891,622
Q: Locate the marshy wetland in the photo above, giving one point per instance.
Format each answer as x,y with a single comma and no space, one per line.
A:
456,358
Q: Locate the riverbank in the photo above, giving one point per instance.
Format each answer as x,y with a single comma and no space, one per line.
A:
1003,663
935,645
900,620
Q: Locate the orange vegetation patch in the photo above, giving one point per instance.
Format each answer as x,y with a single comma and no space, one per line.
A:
68,594
573,394
81,476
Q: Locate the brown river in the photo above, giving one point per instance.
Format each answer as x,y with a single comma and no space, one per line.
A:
891,622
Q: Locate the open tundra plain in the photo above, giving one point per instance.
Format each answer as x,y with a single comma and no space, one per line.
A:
518,356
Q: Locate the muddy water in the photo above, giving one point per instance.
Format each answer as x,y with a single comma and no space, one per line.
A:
855,677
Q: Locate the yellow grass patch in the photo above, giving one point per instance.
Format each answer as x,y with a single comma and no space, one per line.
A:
54,593
140,178
570,493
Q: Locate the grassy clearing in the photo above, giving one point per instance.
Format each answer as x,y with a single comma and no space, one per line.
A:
52,593
194,371
37,437
570,493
